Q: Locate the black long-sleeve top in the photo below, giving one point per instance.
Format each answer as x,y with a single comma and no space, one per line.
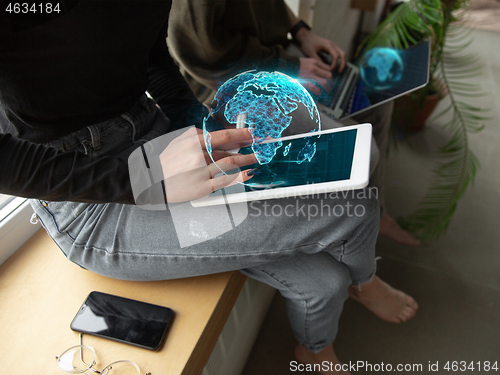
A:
62,72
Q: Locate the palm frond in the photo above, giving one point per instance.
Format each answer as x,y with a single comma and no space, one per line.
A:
408,24
456,166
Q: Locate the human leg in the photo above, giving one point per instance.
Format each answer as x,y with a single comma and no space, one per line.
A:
125,241
315,289
380,118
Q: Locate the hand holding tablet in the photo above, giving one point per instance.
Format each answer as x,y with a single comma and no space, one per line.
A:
189,172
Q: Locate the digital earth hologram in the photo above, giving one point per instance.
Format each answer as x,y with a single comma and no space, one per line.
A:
264,102
381,68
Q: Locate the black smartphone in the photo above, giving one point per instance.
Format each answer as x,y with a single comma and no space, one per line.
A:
121,319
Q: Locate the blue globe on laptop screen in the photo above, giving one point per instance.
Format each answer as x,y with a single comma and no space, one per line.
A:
381,68
266,103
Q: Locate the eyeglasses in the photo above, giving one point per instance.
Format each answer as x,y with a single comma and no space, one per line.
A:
71,360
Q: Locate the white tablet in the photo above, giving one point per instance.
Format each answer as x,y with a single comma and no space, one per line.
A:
312,163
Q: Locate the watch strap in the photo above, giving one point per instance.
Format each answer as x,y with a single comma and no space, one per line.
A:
299,25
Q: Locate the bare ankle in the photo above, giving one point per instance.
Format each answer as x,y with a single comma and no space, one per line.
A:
366,287
326,360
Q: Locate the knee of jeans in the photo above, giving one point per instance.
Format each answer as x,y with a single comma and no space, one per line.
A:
331,291
365,203
372,209
367,216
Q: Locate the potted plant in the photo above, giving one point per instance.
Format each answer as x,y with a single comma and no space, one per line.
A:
451,65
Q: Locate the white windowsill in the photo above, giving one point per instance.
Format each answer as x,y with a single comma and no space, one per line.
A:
15,226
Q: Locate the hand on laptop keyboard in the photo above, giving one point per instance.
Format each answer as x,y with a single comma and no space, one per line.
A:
330,91
311,44
328,59
314,74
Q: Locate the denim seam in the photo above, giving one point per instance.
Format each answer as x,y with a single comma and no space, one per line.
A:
85,246
131,123
89,137
173,255
75,144
95,137
176,255
282,251
48,232
342,252
182,255
54,221
364,281
106,130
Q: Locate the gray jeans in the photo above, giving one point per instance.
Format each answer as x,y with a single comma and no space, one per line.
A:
310,259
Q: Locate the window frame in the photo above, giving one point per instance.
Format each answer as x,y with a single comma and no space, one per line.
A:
4,200
15,226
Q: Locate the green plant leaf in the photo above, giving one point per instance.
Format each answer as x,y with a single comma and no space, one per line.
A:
456,165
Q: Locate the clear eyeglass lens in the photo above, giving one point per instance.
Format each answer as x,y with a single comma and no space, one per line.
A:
121,368
76,359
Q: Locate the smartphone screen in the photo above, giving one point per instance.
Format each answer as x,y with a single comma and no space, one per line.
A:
122,319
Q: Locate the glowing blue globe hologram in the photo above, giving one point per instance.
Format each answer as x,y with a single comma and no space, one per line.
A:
381,68
266,103
287,149
307,152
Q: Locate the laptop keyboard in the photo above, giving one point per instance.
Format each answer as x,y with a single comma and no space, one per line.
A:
330,97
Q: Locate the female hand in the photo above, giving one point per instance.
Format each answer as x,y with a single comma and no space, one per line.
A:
188,170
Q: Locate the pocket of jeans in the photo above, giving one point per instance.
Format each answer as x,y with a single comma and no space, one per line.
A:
65,213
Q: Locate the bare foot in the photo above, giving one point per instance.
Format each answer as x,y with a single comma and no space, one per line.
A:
392,230
326,361
383,300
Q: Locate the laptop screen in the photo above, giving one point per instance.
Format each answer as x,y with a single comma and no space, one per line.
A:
386,73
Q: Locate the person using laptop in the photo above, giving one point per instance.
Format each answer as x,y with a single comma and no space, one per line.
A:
213,40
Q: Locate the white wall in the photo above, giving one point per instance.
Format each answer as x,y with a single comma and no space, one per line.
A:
335,20
293,5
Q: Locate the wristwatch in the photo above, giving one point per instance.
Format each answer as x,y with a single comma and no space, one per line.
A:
299,25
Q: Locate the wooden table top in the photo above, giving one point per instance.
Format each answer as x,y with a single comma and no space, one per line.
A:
41,291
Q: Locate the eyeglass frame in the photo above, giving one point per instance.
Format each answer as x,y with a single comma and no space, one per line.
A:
90,367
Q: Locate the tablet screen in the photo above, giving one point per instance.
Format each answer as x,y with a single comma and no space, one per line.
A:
308,160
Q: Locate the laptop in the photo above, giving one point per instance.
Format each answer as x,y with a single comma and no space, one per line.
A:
382,75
